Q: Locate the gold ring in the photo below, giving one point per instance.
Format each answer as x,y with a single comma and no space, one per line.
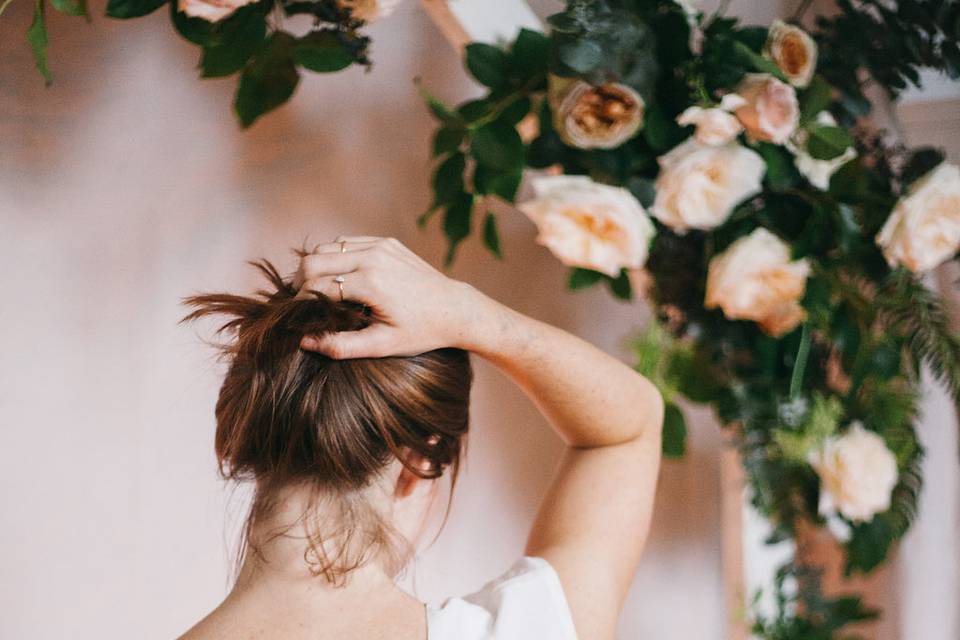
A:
343,246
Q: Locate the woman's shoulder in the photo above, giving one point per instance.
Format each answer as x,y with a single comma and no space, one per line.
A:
526,601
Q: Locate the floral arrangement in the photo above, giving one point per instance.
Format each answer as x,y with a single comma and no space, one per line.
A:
729,174
246,37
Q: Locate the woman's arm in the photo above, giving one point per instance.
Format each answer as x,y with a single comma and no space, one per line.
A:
594,520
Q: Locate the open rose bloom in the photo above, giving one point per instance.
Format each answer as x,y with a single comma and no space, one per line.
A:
714,126
589,117
699,185
370,10
793,50
590,225
924,228
857,474
771,111
211,10
754,279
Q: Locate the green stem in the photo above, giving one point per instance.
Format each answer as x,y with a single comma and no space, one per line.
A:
800,364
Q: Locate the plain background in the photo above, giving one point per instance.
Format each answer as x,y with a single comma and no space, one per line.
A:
126,186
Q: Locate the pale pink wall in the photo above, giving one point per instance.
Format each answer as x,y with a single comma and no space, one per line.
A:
126,186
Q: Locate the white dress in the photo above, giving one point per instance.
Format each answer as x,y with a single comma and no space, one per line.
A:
525,603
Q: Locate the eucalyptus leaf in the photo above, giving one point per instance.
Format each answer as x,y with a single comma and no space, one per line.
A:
583,278
70,7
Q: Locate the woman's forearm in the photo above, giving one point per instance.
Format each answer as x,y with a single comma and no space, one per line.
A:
589,397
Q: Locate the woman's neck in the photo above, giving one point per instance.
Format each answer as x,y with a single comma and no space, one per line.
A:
278,555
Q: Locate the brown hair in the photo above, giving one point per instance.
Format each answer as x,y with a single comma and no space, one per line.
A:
288,417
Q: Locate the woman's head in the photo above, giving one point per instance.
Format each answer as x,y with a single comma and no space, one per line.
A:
357,436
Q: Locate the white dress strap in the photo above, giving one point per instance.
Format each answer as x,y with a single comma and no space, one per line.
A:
524,603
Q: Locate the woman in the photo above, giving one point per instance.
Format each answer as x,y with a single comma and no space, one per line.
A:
346,400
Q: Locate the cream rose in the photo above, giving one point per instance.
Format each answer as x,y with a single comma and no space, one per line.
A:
211,10
818,172
754,279
857,474
924,228
771,112
590,225
716,125
793,50
370,10
699,185
590,117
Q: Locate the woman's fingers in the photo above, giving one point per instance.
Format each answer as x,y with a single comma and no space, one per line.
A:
316,265
372,342
344,247
353,287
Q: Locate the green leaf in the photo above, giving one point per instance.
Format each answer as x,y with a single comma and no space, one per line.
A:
439,110
642,189
753,59
493,181
456,223
447,140
268,80
498,145
124,9
781,172
322,52
674,432
516,112
491,238
37,37
827,142
488,64
226,59
620,286
922,161
583,278
70,7
529,53
448,179
814,99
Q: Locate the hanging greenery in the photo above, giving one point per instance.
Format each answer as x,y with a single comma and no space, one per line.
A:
727,172
246,38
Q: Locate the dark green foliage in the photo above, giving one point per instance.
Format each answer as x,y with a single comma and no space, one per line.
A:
124,9
674,432
268,80
37,37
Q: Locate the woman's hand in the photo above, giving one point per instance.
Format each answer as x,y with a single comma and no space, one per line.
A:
420,308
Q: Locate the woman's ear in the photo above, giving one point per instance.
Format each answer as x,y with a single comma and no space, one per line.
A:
407,480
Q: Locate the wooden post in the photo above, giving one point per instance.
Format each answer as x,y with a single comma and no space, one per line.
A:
732,487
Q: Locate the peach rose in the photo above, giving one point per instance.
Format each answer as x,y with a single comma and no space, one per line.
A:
590,225
589,117
771,112
211,10
857,474
716,125
793,50
699,185
370,10
754,279
924,228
